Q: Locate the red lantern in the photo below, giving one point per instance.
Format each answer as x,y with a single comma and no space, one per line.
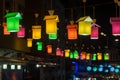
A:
95,31
72,30
21,32
115,21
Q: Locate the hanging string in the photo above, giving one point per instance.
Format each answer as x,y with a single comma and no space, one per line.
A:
51,5
3,10
71,13
93,12
84,1
119,8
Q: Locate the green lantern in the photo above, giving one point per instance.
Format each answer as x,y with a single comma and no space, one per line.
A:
39,46
53,36
94,56
13,21
106,56
71,55
75,53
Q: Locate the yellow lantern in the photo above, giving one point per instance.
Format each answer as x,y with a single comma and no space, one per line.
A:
36,32
88,56
67,52
51,22
99,56
72,30
49,49
84,27
29,42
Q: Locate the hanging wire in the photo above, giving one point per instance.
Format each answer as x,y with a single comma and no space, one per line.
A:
93,12
3,10
13,5
72,13
84,6
51,4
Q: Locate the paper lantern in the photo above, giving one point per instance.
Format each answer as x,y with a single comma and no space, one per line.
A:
75,53
67,52
83,55
99,56
115,21
71,55
49,49
72,30
52,36
39,46
88,56
5,31
106,56
94,56
94,31
58,52
51,22
13,21
36,32
84,25
21,32
29,42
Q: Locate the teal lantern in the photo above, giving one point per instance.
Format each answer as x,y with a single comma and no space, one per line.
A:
39,46
13,21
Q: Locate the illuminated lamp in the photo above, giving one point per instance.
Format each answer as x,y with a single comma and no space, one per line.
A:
89,68
29,42
82,55
5,29
12,67
106,70
94,31
36,32
100,69
76,54
71,55
94,56
88,56
99,56
19,67
72,30
94,69
39,46
84,27
13,21
112,69
4,66
51,22
106,56
53,36
67,52
58,52
21,32
117,70
49,49
115,22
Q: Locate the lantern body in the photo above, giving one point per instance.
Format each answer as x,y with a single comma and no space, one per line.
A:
13,21
36,32
21,32
84,25
94,56
52,36
99,56
29,42
75,53
39,46
106,56
88,57
94,33
115,21
49,49
5,29
58,52
67,53
72,31
83,55
71,55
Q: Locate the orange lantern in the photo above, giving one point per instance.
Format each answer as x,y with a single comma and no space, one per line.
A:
36,32
6,32
72,30
49,49
51,22
29,42
99,56
83,55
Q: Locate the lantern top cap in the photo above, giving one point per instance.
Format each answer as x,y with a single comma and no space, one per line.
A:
14,14
85,19
51,17
36,27
114,20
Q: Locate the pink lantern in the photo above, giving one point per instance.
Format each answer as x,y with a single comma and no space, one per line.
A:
95,31
58,52
21,32
115,21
